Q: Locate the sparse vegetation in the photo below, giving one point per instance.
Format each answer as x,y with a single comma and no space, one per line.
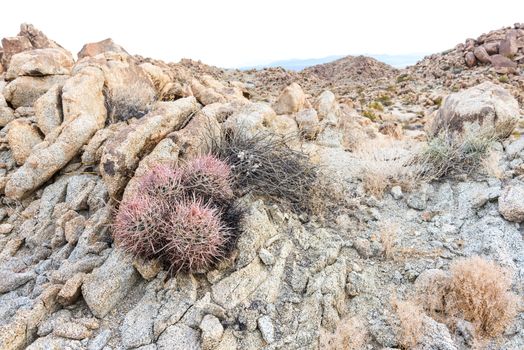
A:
370,115
477,290
351,334
265,165
376,105
126,103
403,77
410,326
504,79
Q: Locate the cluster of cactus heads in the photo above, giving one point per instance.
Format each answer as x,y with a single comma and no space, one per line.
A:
184,216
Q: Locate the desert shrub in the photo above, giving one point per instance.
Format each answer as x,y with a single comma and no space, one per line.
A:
383,163
351,334
384,100
410,327
185,217
477,290
370,115
480,292
447,154
403,77
127,102
376,105
265,165
504,79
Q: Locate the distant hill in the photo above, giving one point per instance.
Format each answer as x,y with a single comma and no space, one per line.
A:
397,61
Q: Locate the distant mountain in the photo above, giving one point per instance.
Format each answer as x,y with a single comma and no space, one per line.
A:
397,61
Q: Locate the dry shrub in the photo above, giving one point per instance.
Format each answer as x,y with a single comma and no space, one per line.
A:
351,334
480,292
388,238
126,102
384,163
451,154
410,327
264,164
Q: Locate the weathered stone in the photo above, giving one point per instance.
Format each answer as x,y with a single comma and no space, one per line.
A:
470,59
93,49
40,62
486,106
22,137
492,48
283,125
212,332
48,110
327,108
24,91
12,46
250,118
71,330
291,100
122,154
38,39
179,337
503,65
265,325
10,280
508,47
511,204
84,114
308,123
148,269
71,290
5,228
100,341
107,285
481,54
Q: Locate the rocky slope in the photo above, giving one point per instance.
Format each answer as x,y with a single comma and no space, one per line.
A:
77,135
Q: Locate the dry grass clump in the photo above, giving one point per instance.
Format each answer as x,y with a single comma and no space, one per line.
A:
480,292
410,327
491,165
384,163
127,102
477,290
264,164
351,334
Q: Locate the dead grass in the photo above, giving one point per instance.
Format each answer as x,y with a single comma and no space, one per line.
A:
384,163
388,238
351,334
477,290
480,292
410,327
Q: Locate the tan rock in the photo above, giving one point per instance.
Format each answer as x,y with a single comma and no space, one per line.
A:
48,109
483,107
71,290
503,65
122,153
308,123
71,330
38,39
84,114
470,59
24,91
93,49
206,95
12,46
481,54
22,137
148,269
284,125
6,113
40,62
159,78
291,100
511,206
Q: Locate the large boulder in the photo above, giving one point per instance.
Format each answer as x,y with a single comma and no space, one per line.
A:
291,100
40,62
48,109
12,46
503,65
486,106
24,91
38,39
22,137
511,204
481,54
84,114
508,47
93,49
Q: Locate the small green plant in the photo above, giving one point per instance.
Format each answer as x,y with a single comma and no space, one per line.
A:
385,100
370,115
403,77
504,79
376,105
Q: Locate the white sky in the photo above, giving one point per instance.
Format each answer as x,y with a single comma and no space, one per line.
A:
231,33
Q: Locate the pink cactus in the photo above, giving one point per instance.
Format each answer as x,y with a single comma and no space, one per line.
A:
162,181
196,238
208,177
138,226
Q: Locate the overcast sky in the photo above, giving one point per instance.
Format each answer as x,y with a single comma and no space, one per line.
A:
232,33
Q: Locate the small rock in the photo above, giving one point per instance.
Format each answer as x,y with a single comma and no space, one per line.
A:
396,192
481,54
363,247
71,290
148,269
5,229
266,257
71,330
98,342
265,325
212,331
179,337
308,123
470,59
10,280
511,204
